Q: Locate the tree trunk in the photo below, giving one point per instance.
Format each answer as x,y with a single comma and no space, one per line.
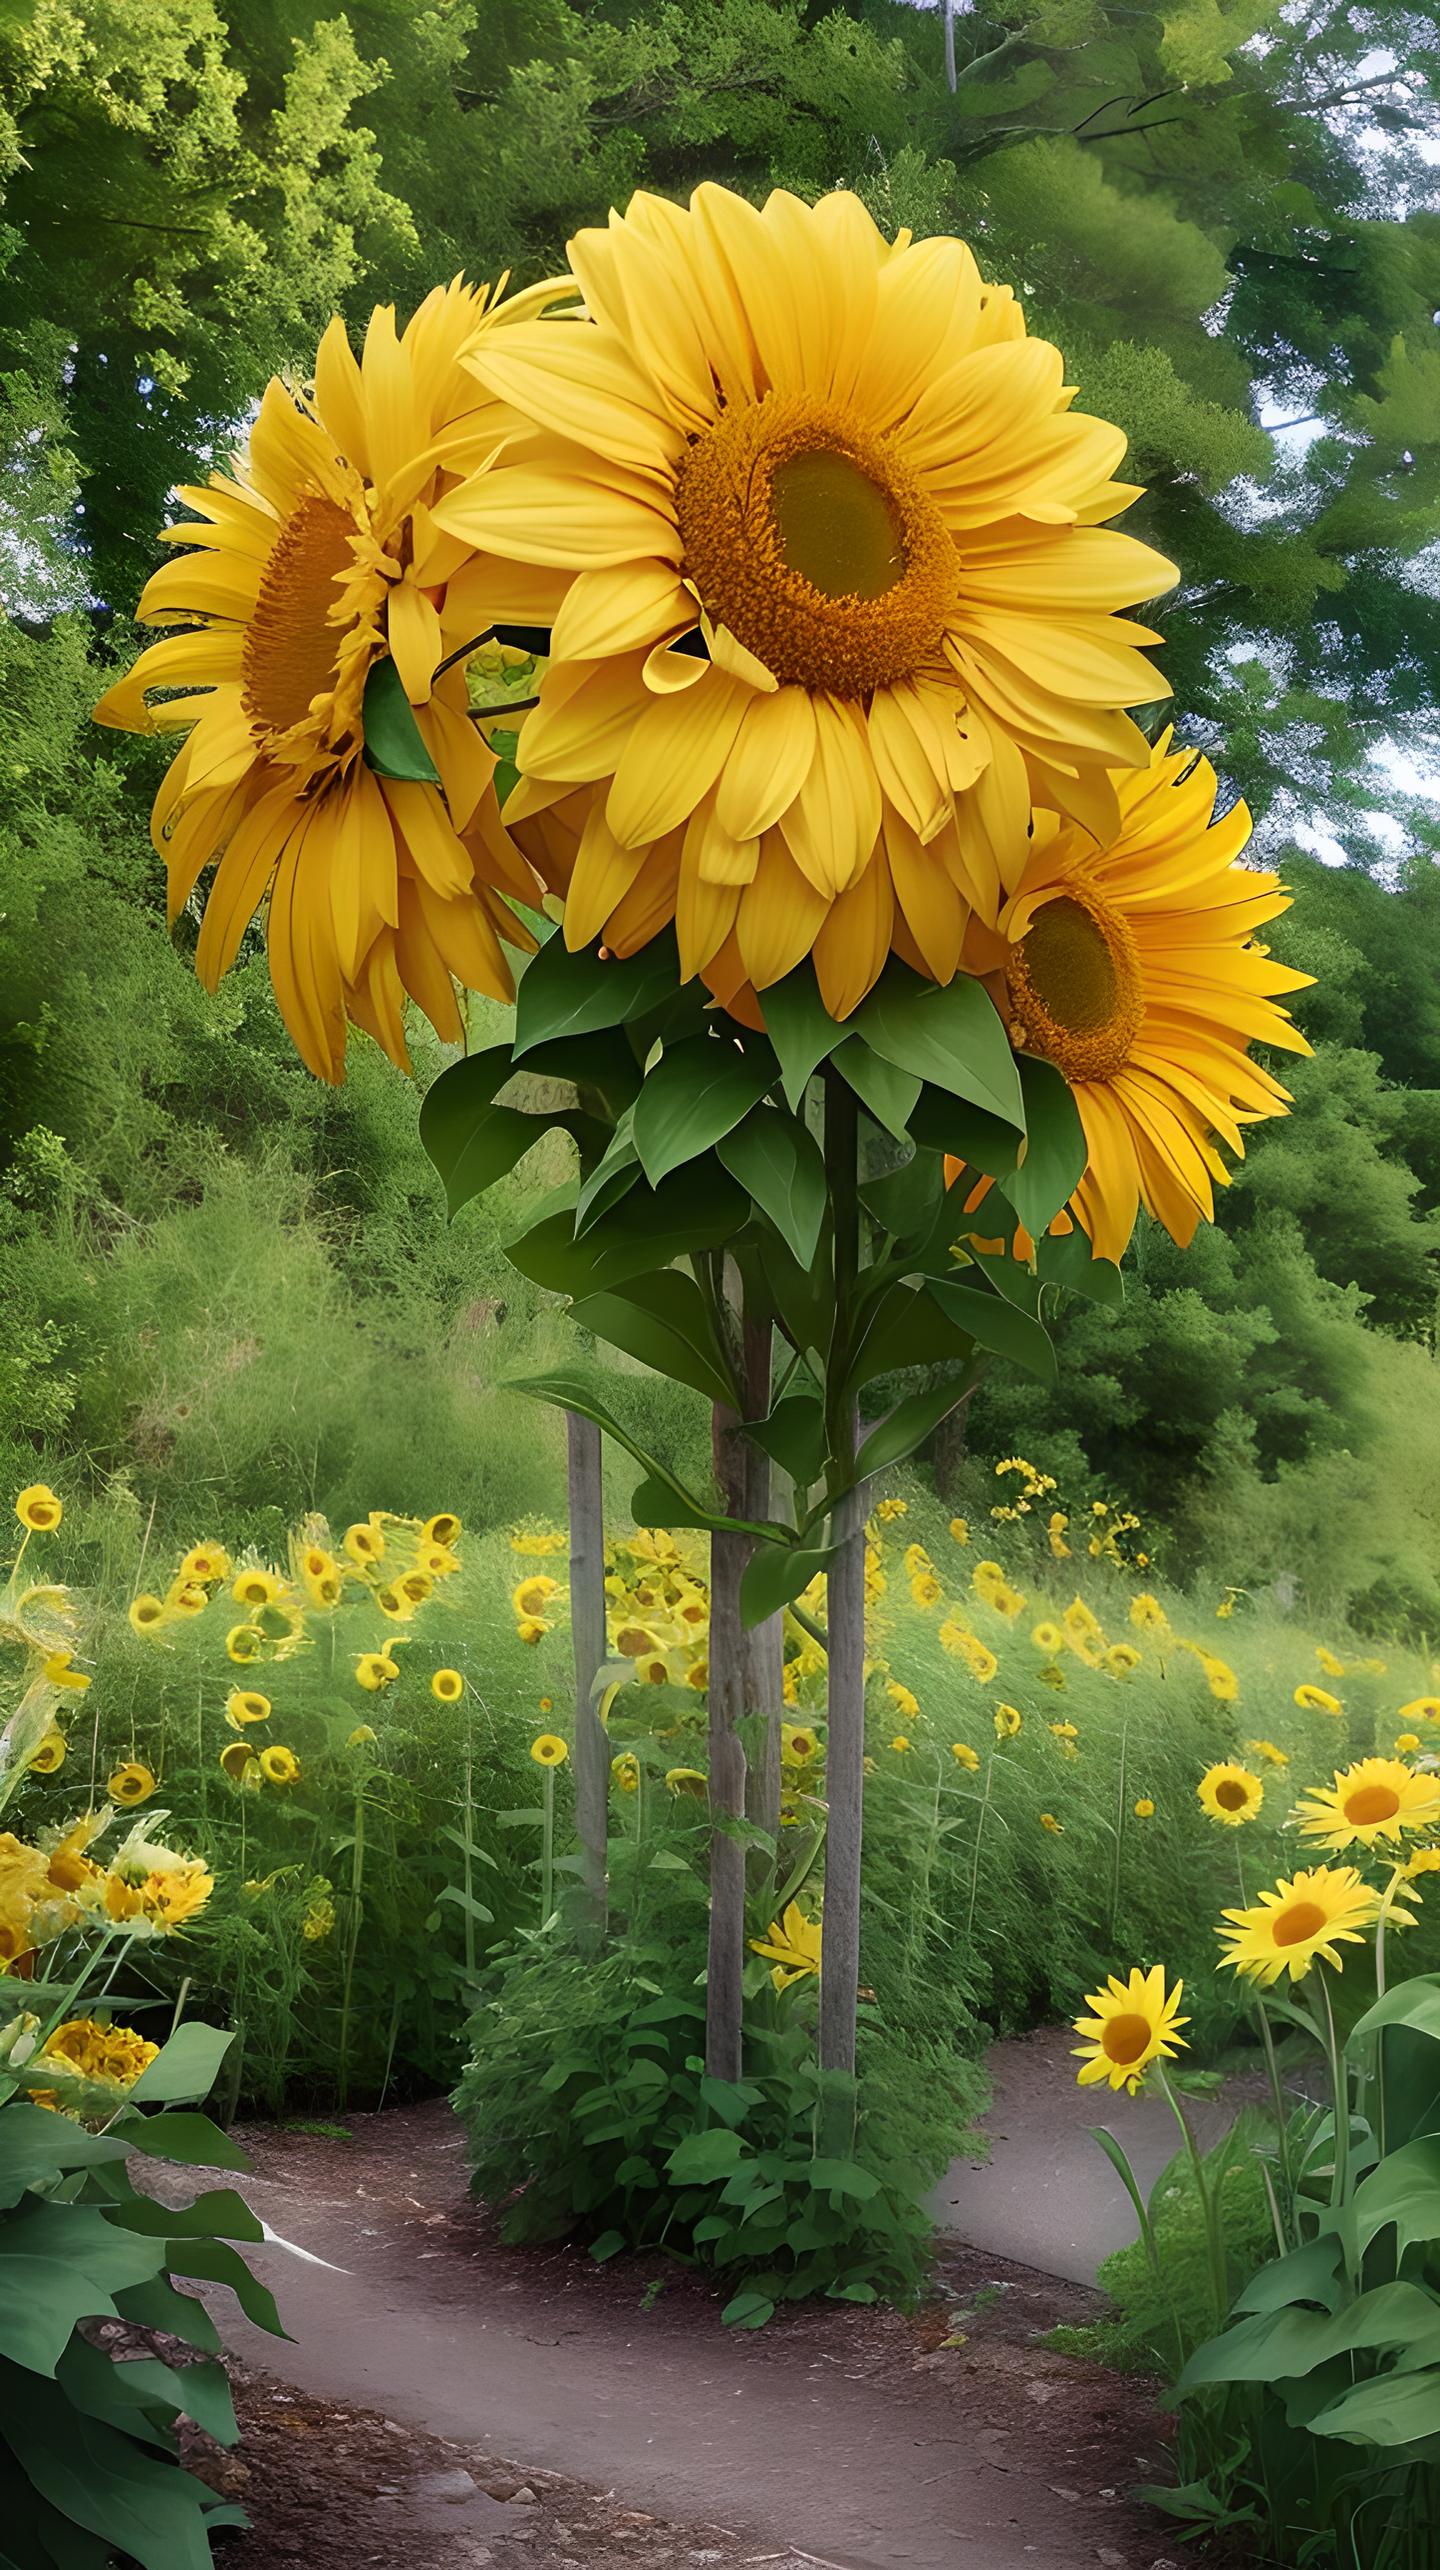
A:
724,2000
845,1625
949,6
587,1630
765,1643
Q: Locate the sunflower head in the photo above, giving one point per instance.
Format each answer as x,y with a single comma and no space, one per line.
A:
279,1766
131,1784
146,1613
447,1686
48,1755
1230,1793
1318,1700
38,1509
240,1762
626,1771
549,1750
244,1705
1377,1798
1306,1918
1130,2024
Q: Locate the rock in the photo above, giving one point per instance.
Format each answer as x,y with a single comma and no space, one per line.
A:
456,2487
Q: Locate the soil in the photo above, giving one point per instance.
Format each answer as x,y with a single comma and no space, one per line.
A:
865,2439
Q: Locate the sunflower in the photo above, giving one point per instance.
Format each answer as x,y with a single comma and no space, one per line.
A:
1128,962
549,1750
447,1686
131,1784
244,1705
38,1509
1145,1809
205,1562
626,1771
442,1528
314,563
1122,1660
1147,1614
838,601
146,1613
1230,1793
1422,1708
792,1946
1048,1638
256,1587
900,1744
1376,1798
238,1761
1130,2025
364,1544
280,1766
48,1755
1317,1700
1310,1914
964,1755
1008,1720
243,1643
1054,1828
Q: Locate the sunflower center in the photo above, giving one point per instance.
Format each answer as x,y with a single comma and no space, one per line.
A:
1125,2039
1074,986
292,642
813,544
1232,1797
1371,1803
1302,1919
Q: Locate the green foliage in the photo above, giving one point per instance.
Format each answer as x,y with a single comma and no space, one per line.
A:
1162,2302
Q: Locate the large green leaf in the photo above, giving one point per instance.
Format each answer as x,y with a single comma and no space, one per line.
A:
128,2392
219,2214
776,1574
35,2145
561,994
100,2479
951,1036
190,2139
800,1029
890,1094
61,2263
988,1144
702,2157
1066,1258
1274,2346
1052,1163
1414,2003
470,1139
612,1177
903,1327
601,1067
911,1422
185,2068
696,1209
393,745
1405,2190
779,1163
567,1388
215,2262
793,1435
662,1320
157,2305
695,1095
997,1325
1393,2409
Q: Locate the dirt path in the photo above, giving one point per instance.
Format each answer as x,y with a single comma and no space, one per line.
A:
868,2440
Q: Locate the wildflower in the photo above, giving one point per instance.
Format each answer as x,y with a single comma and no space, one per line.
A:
688,1780
60,1671
152,1891
243,1642
891,1509
793,1946
1225,1608
797,1744
146,1613
926,1590
68,1868
364,1544
900,1743
549,1750
1422,1860
964,1755
1147,1614
1048,1821
1048,1638
1329,1665
959,1530
916,1561
1053,1677
1230,1793
374,1670
1307,1917
205,1562
1131,2024
1144,1809
48,1755
1423,1708
362,1737
441,1529
244,1705
447,1686
1407,1742
1122,1660
89,2049
1317,1700
1267,1750
1007,1721
38,1509
319,1919
1056,1532
280,1766
1067,1733
626,1771
1376,1798
321,1575
186,1597
964,1645
531,1631
1081,1624
547,1704
906,1704
255,1587
236,1760
1220,1678
131,1784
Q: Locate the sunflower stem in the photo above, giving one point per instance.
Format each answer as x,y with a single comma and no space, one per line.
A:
1340,2092
726,1698
587,1633
845,1608
1214,2244
547,1844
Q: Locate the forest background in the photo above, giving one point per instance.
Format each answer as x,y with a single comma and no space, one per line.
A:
229,1292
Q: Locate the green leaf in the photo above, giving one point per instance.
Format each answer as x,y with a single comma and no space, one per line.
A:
910,1423
215,2262
1405,2190
192,2140
663,1320
469,1139
776,1574
748,2309
779,1163
1052,1163
219,2214
951,1036
903,1327
1414,2003
185,2067
695,1095
609,2245
800,1029
843,2177
988,1144
35,2145
1394,2409
703,2157
566,1388
1279,2345
793,1436
561,994
1066,1259
696,1209
393,745
890,1094
612,1177
466,1901
155,2304
997,1325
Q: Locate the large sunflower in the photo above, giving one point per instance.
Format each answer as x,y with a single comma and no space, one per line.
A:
1377,1798
315,558
839,605
1131,963
1308,1915
1130,2025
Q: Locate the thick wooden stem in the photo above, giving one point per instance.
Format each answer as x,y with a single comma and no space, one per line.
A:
587,1628
844,1619
724,2000
765,1643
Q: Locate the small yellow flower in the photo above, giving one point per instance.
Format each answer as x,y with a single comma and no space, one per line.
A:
61,1671
531,1597
964,1645
280,1766
130,1784
793,1946
441,1529
964,1755
906,1704
926,1589
374,1670
688,1780
1267,1750
959,1530
244,1705
186,1597
1147,1614
364,1544
362,1737
1220,1678
243,1642
1407,1742
205,1562
1048,1638
49,1755
1067,1733
1144,1809
547,1704
549,1750
1330,1666
447,1686
237,1759
38,1509
1423,1860
891,1509
146,1613
626,1771
1317,1700
1230,1793
1122,1660
797,1744
531,1631
1007,1721
1049,1822
1424,1708
1131,2024
900,1743
255,1587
